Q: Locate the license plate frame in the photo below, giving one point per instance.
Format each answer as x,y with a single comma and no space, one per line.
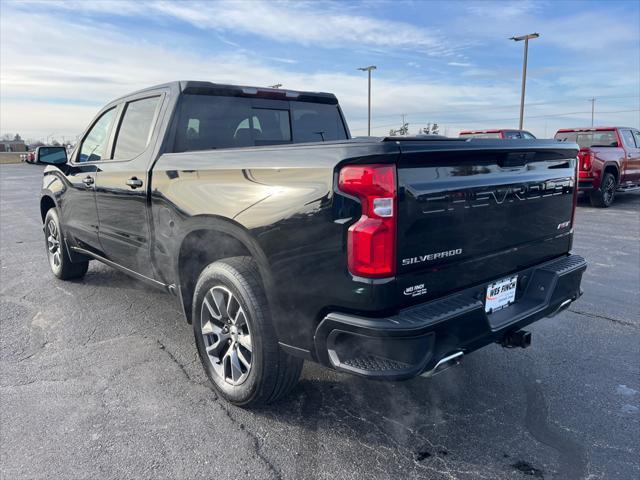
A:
500,294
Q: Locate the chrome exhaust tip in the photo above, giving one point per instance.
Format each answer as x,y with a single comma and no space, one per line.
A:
563,306
444,363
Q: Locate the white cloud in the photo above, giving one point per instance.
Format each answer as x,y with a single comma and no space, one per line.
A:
97,65
500,9
57,76
305,23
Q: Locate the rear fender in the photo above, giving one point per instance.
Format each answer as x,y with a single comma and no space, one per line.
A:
602,166
218,226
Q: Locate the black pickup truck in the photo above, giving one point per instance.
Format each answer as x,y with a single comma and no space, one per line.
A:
283,239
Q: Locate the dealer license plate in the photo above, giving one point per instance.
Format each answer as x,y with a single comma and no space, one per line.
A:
501,294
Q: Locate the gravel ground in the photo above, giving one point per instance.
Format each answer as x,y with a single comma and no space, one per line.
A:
100,379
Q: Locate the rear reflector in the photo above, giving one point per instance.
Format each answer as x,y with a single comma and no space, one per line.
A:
371,241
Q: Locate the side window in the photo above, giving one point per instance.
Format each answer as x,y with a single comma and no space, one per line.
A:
511,135
94,145
135,128
636,135
627,138
528,136
206,122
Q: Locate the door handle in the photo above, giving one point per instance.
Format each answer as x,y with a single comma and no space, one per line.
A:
88,181
133,182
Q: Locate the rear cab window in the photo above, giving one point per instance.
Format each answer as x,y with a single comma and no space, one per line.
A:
481,135
512,135
205,122
600,138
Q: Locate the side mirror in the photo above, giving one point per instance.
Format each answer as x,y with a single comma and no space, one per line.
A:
51,155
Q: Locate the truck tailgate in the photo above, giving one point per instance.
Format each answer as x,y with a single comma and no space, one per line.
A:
476,211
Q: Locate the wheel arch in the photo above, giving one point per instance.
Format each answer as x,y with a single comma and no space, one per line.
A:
208,239
46,203
613,169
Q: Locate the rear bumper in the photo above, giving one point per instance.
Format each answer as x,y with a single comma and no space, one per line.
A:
416,339
585,184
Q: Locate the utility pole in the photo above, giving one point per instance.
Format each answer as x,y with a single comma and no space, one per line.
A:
524,69
593,108
276,86
368,70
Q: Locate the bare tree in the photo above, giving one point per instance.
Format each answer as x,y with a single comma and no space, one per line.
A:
430,129
402,131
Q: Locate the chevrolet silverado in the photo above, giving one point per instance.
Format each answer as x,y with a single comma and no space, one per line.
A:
283,239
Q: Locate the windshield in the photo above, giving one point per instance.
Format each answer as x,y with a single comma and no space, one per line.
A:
604,138
208,122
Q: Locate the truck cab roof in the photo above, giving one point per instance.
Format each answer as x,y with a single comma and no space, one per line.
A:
198,87
508,133
589,129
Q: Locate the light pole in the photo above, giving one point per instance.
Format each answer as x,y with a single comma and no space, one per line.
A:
524,69
368,70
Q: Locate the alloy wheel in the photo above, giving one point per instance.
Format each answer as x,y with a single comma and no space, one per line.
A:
226,335
608,190
53,244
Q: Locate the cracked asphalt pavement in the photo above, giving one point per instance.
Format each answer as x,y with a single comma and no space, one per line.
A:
100,379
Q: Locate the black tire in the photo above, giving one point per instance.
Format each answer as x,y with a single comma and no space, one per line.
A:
235,285
59,261
603,197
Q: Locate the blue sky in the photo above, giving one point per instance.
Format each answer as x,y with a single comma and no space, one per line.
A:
446,62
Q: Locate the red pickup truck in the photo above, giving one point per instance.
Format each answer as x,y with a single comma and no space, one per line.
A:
503,133
608,160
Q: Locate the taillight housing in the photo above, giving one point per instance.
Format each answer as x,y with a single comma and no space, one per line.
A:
576,179
371,241
585,158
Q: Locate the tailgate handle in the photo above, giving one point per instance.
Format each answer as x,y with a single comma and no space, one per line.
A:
516,159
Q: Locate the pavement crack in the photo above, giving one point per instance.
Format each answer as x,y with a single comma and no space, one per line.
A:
34,353
182,368
90,337
256,440
604,317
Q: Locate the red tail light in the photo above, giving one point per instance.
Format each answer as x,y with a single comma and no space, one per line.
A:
371,242
585,156
576,179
